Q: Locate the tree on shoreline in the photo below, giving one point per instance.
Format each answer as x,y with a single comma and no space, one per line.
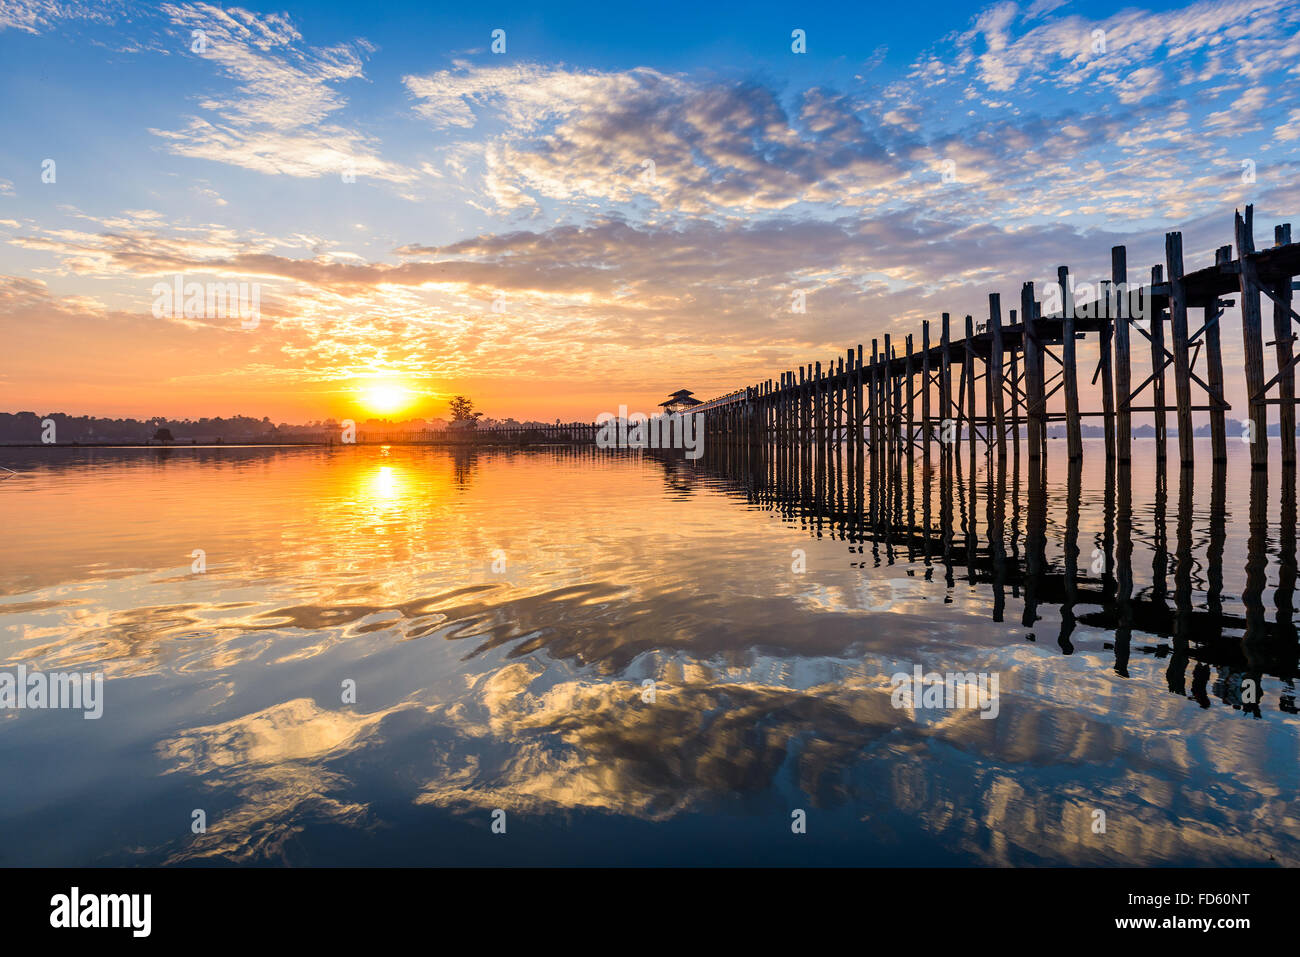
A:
462,409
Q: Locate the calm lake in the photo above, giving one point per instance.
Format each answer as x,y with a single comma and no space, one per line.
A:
373,655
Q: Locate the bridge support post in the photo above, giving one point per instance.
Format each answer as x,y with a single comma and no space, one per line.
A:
1251,337
1123,365
1284,337
1178,330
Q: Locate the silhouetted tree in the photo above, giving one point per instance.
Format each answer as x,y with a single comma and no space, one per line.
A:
462,408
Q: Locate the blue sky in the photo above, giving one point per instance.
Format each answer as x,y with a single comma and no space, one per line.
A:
505,233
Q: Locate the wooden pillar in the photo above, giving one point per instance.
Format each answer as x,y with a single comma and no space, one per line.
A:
925,396
1070,366
799,409
859,383
994,372
896,407
1104,337
842,406
1017,391
1286,375
1158,364
1034,403
1123,366
874,411
908,375
1251,336
817,409
969,375
945,373
889,434
1178,331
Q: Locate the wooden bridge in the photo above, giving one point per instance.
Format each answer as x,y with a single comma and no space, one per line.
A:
903,395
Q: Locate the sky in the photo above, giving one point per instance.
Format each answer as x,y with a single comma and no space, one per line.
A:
606,203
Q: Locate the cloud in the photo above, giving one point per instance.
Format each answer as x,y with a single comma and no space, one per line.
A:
34,16
691,145
279,117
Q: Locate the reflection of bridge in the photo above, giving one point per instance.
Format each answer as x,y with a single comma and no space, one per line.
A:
894,517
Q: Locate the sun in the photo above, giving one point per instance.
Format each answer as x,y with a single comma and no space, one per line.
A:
386,399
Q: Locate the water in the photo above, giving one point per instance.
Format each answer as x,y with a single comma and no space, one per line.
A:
618,652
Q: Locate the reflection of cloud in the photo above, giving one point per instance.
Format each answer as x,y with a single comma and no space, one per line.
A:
1007,792
296,730
272,761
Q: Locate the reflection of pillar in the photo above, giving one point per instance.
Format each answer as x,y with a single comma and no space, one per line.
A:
1123,563
1014,526
1108,537
1255,641
968,514
945,510
1284,598
1160,539
1183,562
997,546
1074,490
926,492
1214,550
1035,541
